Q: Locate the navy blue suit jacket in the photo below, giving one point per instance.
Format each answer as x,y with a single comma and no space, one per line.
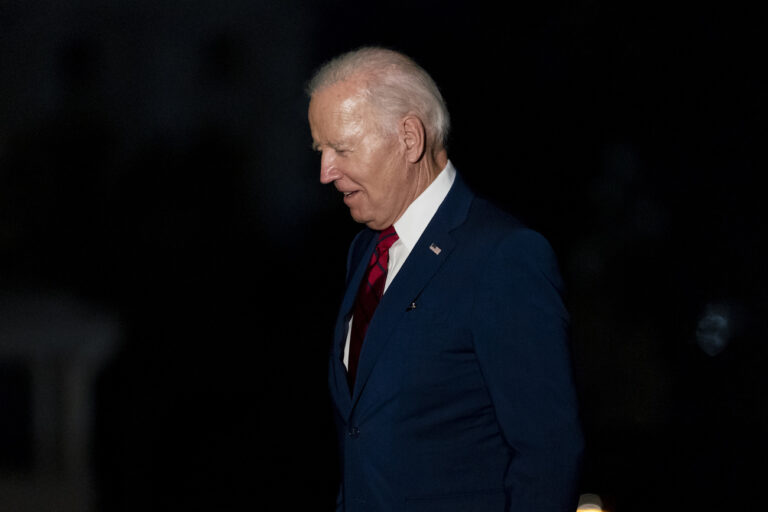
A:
464,398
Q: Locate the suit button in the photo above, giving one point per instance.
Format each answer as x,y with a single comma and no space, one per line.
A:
353,432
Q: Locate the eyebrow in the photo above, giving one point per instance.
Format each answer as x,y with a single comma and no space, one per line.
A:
333,145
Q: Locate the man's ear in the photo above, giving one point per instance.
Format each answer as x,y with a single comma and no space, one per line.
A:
414,136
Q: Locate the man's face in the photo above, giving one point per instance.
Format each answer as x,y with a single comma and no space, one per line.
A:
366,165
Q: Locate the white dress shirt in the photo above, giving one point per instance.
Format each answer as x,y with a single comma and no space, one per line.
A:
410,226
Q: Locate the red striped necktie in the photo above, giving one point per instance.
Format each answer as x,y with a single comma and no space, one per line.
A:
368,297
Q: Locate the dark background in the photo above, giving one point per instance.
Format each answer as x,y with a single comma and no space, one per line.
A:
155,163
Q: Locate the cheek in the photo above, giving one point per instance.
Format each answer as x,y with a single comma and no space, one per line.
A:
393,177
378,172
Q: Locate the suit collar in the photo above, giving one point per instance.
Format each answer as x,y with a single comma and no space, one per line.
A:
411,225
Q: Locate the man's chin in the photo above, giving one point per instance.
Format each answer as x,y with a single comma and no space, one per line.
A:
359,217
363,218
371,224
376,226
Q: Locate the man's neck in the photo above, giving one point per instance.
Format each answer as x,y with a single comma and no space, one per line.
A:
429,168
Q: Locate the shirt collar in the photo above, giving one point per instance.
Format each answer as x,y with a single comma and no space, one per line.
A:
414,221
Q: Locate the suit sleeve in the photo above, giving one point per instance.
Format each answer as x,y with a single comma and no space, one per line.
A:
339,501
521,341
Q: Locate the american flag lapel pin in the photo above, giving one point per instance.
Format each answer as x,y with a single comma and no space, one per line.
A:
434,248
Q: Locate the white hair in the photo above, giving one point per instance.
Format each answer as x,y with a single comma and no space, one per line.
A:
394,84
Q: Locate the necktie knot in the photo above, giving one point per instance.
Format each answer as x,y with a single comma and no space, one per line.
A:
386,238
377,267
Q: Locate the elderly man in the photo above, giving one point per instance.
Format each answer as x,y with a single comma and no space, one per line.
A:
450,370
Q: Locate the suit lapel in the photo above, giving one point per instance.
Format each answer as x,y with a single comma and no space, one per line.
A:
422,264
358,263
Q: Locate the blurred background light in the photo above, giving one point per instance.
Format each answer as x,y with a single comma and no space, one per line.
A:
590,503
714,329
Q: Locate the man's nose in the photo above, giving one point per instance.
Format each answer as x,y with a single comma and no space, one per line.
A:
329,172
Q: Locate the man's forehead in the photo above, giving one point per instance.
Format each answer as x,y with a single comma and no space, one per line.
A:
343,110
343,99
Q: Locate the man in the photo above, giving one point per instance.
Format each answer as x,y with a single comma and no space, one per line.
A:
450,370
